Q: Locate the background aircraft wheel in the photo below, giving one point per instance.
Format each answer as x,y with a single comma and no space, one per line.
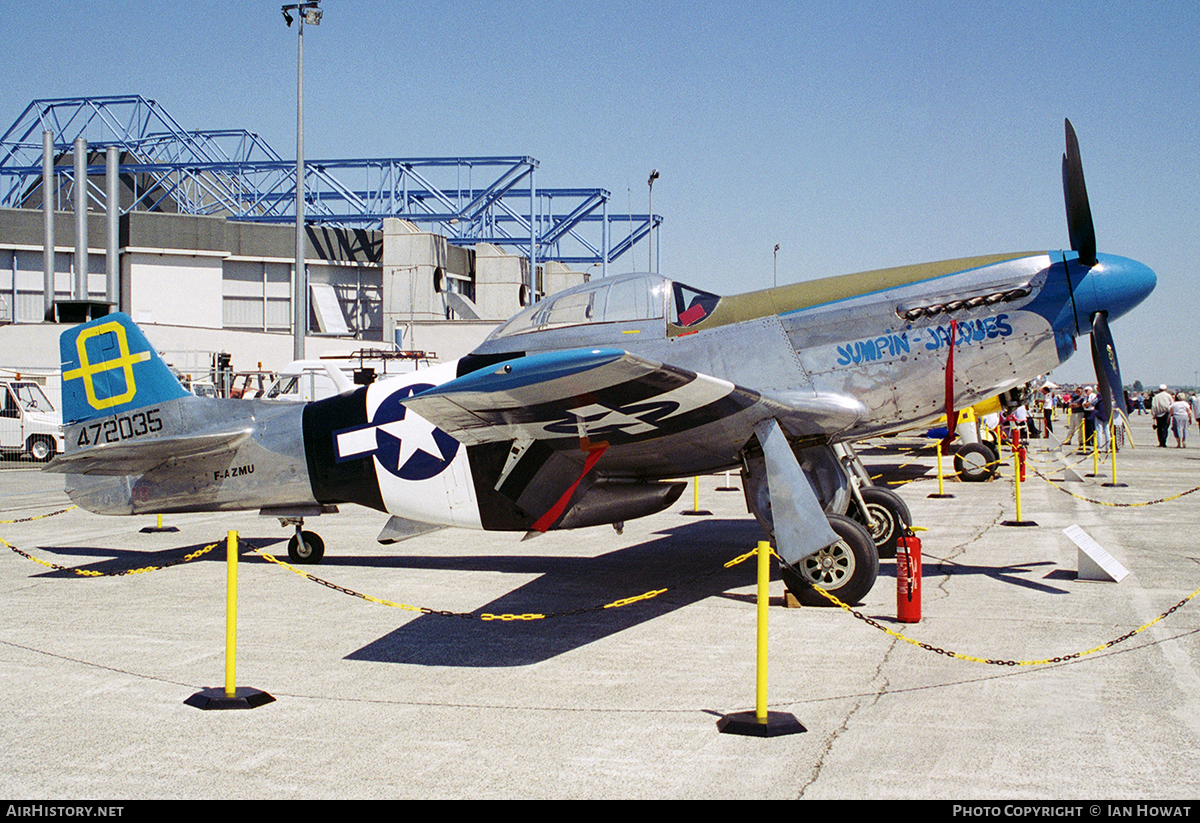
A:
886,518
41,449
847,569
975,463
311,550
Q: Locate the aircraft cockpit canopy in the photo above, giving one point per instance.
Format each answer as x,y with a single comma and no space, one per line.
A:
627,298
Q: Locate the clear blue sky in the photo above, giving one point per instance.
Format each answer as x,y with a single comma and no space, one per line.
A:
856,136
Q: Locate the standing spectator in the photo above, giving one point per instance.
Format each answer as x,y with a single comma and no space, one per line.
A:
1196,407
1181,419
1160,409
1095,426
1075,404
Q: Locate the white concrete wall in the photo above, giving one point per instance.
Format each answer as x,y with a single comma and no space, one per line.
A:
558,276
498,280
174,288
410,258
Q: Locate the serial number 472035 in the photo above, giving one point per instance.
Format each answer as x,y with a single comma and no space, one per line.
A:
116,429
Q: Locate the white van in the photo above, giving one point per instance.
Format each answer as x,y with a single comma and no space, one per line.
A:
304,381
29,423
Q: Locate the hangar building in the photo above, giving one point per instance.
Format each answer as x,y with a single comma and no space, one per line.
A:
417,253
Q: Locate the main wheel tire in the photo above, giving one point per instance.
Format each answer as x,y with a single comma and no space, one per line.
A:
886,518
307,547
41,449
847,569
975,463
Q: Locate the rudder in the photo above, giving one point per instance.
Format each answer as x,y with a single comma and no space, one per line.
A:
109,367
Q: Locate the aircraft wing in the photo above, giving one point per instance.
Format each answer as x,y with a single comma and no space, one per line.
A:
142,455
598,402
608,396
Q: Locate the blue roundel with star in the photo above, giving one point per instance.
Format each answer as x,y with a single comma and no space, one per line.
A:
410,448
406,446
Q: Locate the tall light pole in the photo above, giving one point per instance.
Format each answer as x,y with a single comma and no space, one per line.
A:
776,270
307,13
650,183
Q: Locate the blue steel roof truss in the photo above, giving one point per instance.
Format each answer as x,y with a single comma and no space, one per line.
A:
236,174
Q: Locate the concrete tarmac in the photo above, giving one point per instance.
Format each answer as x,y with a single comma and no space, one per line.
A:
378,701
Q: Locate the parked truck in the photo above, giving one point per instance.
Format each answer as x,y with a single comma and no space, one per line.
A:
29,423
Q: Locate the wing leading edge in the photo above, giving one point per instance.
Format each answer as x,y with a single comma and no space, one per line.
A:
591,396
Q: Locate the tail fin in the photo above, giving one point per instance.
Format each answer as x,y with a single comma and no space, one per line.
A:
109,367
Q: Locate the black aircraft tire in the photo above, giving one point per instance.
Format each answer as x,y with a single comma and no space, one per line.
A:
847,569
311,552
975,463
886,518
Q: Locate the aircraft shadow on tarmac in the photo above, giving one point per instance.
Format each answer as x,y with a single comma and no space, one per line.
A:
677,560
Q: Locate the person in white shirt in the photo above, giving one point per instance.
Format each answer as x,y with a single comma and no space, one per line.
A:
1181,419
1160,409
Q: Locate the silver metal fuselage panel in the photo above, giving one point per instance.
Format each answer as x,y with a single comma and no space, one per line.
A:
268,468
881,371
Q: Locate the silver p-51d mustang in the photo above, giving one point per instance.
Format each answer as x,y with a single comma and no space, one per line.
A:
582,408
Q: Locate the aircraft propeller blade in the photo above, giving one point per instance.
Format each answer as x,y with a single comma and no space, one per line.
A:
1079,212
1108,372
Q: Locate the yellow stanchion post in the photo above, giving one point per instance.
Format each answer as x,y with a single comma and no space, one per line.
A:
761,722
159,528
941,492
1112,455
764,580
231,570
1017,481
1017,493
230,697
696,511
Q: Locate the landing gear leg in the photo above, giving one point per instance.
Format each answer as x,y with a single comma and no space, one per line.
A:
884,514
846,567
304,547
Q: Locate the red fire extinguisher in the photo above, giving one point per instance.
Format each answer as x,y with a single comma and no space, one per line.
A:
908,578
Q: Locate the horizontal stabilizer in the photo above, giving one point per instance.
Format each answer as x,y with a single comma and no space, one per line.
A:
143,455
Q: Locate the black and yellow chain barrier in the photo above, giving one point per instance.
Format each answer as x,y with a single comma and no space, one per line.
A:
187,558
649,595
37,516
1134,505
959,656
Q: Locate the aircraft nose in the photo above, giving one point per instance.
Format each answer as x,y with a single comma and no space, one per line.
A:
1120,283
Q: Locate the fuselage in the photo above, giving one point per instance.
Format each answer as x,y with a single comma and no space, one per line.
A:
838,359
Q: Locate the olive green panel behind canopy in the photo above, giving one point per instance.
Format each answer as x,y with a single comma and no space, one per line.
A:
741,307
